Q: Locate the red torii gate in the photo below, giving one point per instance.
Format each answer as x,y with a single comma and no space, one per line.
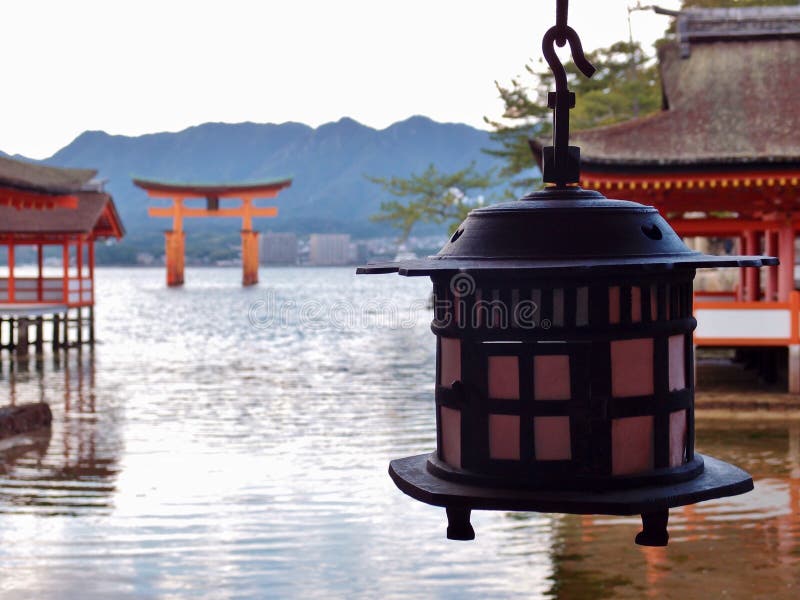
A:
179,193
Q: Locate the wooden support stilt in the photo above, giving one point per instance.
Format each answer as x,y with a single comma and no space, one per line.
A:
39,344
249,257
175,246
56,341
79,327
91,325
65,330
22,337
794,369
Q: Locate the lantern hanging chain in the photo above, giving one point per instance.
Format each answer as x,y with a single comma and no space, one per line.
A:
563,167
562,12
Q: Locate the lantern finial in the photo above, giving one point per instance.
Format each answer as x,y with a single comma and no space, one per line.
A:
562,161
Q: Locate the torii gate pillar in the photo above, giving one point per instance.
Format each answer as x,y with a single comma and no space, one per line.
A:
249,257
175,244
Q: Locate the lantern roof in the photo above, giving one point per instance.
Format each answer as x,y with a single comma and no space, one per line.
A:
561,230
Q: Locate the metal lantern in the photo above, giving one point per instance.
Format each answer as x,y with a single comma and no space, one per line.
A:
565,363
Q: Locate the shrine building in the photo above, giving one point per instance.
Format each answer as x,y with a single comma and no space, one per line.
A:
50,219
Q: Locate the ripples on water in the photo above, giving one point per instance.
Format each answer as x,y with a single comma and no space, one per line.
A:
195,454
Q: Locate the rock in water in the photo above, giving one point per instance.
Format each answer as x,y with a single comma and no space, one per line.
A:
22,418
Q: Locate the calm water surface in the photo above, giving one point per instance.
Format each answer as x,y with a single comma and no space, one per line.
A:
222,442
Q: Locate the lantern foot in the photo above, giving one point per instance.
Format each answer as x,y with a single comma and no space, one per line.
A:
654,529
458,525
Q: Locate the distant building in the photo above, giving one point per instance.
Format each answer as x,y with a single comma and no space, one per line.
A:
278,249
362,253
329,249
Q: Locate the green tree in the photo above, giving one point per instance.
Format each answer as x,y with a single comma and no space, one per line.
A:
431,197
626,85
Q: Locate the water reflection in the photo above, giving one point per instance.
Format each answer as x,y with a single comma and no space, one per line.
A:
58,470
742,547
193,455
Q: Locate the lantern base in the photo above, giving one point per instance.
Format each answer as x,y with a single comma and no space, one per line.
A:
718,479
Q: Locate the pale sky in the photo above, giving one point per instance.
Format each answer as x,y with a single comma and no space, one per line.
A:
132,67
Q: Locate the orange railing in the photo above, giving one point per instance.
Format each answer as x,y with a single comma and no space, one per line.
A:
72,292
724,321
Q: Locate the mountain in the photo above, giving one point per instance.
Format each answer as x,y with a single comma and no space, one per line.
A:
328,165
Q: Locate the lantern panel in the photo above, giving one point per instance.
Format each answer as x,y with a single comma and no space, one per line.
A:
582,307
636,304
504,377
450,420
552,438
504,437
632,368
677,363
653,302
614,308
558,308
668,304
677,438
551,377
631,445
450,357
536,298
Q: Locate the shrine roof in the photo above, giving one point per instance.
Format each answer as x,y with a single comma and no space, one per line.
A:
94,214
44,179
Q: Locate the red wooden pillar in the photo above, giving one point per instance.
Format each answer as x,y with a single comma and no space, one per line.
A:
90,252
79,271
65,271
11,271
786,256
175,243
785,289
79,262
752,283
249,257
90,247
740,290
771,249
40,270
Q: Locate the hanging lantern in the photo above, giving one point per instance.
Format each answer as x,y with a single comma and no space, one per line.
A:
564,362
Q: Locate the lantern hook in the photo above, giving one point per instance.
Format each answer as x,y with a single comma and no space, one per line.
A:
562,161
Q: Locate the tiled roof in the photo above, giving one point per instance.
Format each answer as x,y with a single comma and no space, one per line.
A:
40,178
95,212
